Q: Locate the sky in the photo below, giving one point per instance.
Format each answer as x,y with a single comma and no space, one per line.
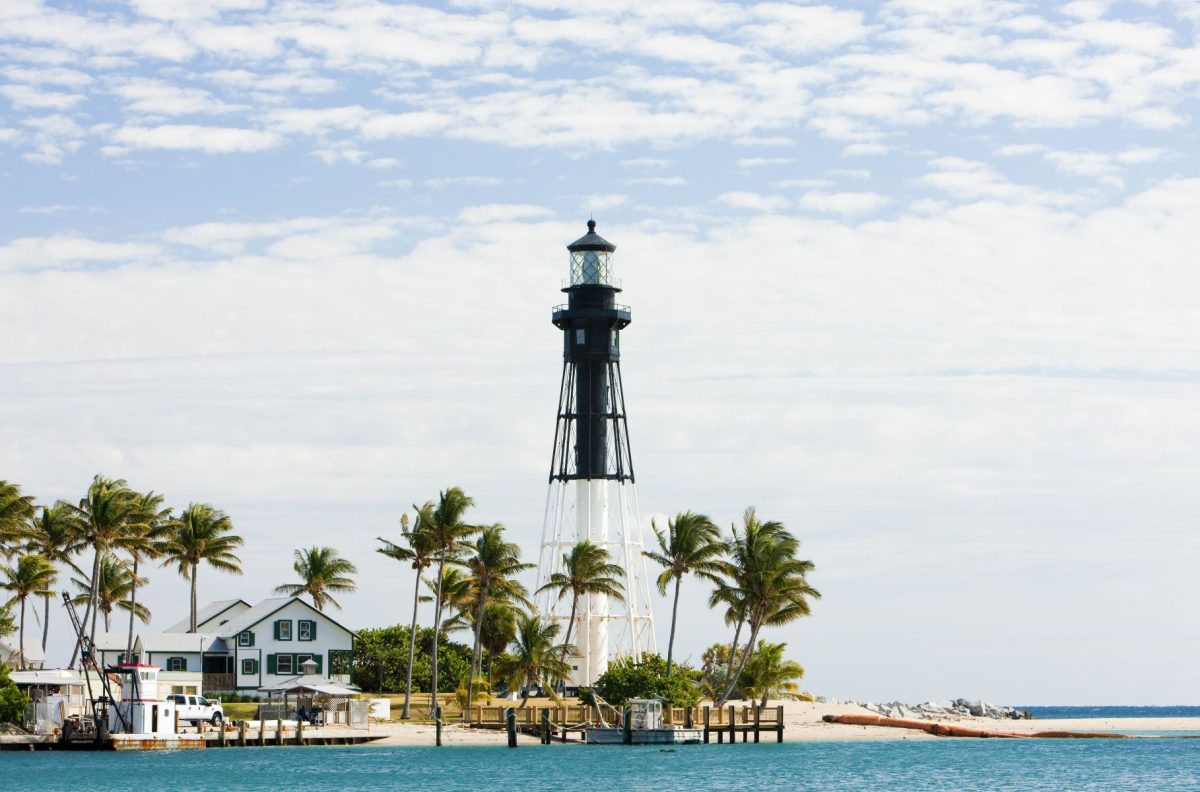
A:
916,278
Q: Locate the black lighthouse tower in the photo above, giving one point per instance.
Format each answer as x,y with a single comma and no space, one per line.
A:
591,495
591,438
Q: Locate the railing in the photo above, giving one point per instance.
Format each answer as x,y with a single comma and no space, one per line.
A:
617,307
569,282
218,682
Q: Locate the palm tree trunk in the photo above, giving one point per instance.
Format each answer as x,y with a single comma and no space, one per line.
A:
475,651
674,613
83,625
46,623
195,569
21,638
412,648
437,625
132,611
742,665
562,686
737,633
107,619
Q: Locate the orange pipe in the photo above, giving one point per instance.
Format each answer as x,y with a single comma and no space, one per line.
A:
945,730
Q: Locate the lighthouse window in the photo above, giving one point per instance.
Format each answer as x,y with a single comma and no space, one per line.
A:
580,336
614,339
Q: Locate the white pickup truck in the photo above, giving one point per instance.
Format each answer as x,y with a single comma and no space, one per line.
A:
198,709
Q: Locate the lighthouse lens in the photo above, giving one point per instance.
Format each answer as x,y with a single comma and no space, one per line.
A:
590,266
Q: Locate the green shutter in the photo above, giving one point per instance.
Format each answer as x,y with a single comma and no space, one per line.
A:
317,660
312,636
275,628
270,664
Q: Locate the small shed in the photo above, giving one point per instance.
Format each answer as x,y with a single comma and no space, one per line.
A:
318,699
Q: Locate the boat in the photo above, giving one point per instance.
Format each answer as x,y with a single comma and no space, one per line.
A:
642,724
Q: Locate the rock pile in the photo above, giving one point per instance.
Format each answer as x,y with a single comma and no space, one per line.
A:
936,709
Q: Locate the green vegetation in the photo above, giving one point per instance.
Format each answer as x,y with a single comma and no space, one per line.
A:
32,576
692,544
536,660
381,664
12,701
647,678
121,528
321,571
201,534
587,569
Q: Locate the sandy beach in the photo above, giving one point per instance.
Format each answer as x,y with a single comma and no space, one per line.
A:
803,723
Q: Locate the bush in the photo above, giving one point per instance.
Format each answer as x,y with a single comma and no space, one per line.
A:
626,680
12,701
381,660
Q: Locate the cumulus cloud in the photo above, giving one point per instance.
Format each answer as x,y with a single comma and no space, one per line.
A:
193,137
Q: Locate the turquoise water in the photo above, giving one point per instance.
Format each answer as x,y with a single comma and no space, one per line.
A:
894,765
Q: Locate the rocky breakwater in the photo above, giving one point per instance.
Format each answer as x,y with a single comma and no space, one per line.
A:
932,710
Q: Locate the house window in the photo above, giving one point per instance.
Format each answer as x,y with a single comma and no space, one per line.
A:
580,336
283,664
249,667
246,638
306,630
300,658
283,630
177,664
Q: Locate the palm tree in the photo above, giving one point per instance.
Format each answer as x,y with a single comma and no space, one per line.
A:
418,552
32,576
55,535
585,570
15,510
104,516
321,571
144,539
769,675
766,583
536,660
692,543
447,534
492,567
113,586
499,629
201,533
457,599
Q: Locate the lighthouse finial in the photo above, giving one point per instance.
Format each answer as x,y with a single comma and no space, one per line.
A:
591,224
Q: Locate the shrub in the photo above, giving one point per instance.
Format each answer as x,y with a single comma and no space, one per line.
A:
626,680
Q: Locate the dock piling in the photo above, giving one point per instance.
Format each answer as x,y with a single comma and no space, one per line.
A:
627,726
510,721
778,723
241,734
757,721
437,722
299,732
545,725
707,715
279,731
732,719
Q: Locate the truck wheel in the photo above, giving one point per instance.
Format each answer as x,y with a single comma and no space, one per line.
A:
217,719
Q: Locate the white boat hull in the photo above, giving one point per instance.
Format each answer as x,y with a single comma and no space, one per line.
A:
607,735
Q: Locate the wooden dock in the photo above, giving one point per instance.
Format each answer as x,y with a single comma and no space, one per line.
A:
569,722
238,734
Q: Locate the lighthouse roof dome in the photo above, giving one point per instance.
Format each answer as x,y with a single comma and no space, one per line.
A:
591,241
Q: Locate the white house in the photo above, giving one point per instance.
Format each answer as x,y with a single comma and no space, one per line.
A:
238,648
34,656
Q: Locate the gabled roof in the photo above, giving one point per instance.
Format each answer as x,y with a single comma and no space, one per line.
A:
182,642
47,676
264,610
33,648
116,641
208,613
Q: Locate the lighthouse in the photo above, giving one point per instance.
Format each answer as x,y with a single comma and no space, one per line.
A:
591,489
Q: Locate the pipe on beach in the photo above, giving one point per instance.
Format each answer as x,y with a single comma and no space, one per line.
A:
946,730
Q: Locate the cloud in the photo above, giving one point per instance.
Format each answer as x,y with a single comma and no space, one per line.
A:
753,201
658,181
63,250
467,181
762,162
493,213
845,204
192,137
158,97
972,181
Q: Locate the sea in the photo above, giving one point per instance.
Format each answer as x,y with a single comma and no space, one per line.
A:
1046,713
993,765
